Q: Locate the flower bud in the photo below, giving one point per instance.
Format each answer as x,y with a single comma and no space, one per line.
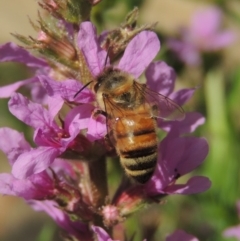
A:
111,215
71,11
130,200
62,47
117,40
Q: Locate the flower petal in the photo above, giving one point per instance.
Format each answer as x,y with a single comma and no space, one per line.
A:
182,96
6,181
12,143
194,185
188,125
195,151
54,105
97,128
38,93
233,232
165,171
139,53
206,22
7,90
180,235
32,114
102,235
160,77
178,156
76,228
88,44
34,161
66,89
186,52
63,168
79,115
14,53
38,187
9,185
222,40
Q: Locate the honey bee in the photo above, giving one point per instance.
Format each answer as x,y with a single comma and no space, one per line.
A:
132,111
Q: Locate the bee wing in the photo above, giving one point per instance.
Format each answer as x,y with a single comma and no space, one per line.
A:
162,106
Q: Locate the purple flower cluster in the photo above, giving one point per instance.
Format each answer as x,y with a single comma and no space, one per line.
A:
51,176
203,35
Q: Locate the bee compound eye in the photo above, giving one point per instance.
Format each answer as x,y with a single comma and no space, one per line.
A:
96,87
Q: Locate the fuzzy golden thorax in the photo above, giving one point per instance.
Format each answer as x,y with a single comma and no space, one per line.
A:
116,85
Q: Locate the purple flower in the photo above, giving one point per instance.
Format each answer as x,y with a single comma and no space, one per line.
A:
138,55
12,52
77,229
178,156
52,140
161,78
235,230
101,234
39,186
203,35
64,91
41,83
232,232
178,235
46,185
61,92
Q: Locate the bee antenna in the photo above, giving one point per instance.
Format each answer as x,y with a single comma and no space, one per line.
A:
107,56
82,88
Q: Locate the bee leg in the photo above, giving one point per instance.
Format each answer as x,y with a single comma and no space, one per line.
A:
155,110
108,140
109,145
97,112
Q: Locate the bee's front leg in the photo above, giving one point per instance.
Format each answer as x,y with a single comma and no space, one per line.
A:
97,112
108,139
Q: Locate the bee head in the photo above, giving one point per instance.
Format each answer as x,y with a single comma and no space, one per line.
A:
110,80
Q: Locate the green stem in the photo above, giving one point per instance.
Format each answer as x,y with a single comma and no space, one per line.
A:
221,163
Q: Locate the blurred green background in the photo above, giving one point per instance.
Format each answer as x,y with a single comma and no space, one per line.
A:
218,98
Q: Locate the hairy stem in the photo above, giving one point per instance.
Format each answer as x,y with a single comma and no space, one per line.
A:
99,188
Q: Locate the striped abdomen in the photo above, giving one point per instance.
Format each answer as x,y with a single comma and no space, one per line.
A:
136,142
